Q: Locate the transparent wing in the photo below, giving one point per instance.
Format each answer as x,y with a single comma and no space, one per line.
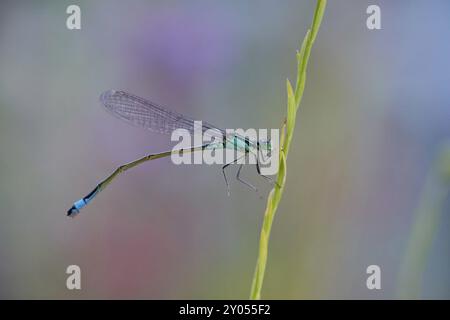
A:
140,112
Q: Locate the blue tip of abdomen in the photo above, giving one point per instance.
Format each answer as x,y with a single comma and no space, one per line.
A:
80,204
77,206
75,209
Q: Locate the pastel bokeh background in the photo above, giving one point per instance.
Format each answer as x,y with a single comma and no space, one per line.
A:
375,113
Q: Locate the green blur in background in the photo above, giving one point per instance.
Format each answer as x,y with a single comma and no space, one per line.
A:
375,112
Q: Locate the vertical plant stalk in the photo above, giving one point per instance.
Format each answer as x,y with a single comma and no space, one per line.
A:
426,223
293,101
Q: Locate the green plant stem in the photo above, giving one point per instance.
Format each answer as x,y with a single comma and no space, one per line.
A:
293,102
426,223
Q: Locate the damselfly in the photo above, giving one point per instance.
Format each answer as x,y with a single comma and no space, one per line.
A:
141,112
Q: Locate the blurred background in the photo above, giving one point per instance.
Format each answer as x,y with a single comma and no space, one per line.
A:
374,115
